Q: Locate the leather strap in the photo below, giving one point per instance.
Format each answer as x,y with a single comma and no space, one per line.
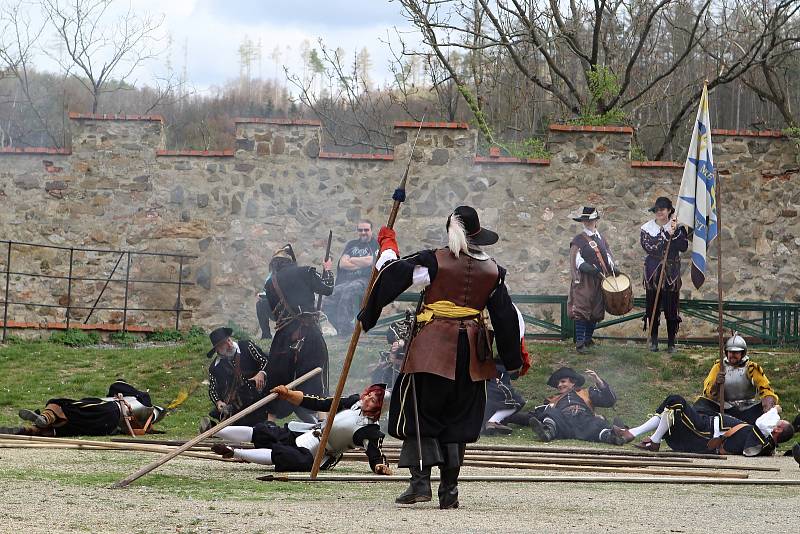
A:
594,246
716,443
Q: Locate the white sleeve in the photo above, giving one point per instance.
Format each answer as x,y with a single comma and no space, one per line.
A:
767,422
579,260
521,322
420,277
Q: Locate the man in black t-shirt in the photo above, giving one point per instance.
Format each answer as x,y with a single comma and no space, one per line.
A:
352,276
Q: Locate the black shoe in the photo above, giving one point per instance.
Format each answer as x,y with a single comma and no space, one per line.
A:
419,490
541,430
222,449
448,488
581,348
796,452
33,417
672,349
590,343
653,346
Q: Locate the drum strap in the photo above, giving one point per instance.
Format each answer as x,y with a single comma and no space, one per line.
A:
594,246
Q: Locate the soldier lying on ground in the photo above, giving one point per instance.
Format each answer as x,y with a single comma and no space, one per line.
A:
125,410
570,413
687,430
293,448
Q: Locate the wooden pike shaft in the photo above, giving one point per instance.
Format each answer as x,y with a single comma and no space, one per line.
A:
540,479
601,469
615,462
105,446
351,349
210,432
578,450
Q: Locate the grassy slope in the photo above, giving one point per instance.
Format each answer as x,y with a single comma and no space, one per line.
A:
32,372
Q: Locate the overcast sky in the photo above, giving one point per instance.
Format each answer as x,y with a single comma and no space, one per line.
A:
213,30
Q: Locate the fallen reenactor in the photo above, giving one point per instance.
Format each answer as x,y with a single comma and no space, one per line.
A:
748,393
570,413
687,430
126,410
292,448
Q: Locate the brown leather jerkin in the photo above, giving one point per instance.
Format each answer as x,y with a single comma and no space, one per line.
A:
466,282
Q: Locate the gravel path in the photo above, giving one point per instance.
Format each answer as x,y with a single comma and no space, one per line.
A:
46,491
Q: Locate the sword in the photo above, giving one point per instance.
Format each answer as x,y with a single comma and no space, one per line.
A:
410,335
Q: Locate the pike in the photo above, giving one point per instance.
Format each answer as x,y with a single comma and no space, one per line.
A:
398,198
210,432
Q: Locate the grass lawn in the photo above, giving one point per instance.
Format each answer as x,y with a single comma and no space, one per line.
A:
33,371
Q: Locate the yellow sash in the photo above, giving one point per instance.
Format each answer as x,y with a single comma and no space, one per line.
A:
446,310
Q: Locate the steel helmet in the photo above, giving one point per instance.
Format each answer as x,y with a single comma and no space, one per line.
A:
736,343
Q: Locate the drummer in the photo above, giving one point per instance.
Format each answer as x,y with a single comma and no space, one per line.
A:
655,235
590,261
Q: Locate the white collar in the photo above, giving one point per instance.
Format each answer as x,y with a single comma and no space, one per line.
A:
591,233
653,228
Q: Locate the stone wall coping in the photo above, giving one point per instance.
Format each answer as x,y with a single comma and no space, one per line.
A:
508,159
345,155
285,122
107,327
427,124
226,153
15,150
114,117
746,133
598,129
657,164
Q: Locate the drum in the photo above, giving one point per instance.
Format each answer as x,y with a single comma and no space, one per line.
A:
618,294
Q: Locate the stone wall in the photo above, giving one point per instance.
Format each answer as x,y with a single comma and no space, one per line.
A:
117,188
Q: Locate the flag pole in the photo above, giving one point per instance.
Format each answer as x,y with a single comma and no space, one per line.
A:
720,328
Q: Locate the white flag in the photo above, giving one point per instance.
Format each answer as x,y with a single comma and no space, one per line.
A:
697,199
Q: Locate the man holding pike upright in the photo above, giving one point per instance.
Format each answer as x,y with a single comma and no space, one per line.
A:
449,358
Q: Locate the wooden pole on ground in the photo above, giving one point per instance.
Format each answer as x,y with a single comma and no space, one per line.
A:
210,432
398,198
579,450
98,446
540,479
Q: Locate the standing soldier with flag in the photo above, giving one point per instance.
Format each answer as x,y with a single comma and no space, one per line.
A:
443,378
663,241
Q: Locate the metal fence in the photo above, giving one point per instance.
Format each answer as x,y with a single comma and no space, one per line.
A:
127,256
773,323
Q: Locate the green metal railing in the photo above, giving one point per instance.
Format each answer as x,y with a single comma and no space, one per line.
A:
764,322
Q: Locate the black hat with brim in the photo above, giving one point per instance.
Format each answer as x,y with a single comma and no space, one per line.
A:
476,235
588,213
565,372
663,203
218,336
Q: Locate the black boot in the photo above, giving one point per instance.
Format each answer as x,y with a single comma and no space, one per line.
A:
672,333
29,415
419,490
654,338
545,430
453,454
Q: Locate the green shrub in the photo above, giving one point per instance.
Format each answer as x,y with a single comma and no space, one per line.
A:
125,339
532,147
168,334
196,331
75,338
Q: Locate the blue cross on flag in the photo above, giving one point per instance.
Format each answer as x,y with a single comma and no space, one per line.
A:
697,199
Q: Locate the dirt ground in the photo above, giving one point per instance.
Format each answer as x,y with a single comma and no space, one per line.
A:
66,491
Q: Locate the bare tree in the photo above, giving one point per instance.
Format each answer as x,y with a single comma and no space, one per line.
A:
101,53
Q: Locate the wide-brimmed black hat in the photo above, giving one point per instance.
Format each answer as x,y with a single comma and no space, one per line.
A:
565,372
587,213
663,202
218,336
472,226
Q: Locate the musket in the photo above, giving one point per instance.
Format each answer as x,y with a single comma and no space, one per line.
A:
398,198
326,377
